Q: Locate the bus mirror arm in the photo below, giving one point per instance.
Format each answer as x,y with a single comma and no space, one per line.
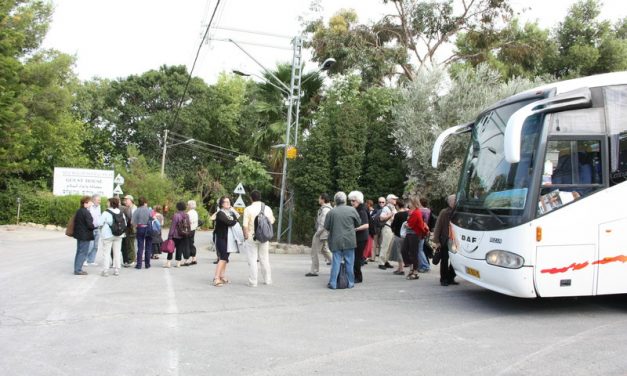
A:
439,142
580,98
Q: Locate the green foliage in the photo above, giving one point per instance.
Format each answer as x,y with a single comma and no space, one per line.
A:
580,45
401,43
23,24
426,109
250,173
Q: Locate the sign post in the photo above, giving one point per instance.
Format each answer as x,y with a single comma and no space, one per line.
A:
119,180
19,203
239,204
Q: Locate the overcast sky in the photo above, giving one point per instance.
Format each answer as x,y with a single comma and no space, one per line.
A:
116,38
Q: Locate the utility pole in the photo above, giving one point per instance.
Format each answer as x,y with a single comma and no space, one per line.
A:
165,146
294,102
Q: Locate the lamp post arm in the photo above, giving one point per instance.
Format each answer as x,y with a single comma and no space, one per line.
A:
261,65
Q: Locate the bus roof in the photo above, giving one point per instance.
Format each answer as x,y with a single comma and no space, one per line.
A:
606,79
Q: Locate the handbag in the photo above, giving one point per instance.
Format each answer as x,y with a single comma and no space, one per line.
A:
437,256
428,249
167,246
342,277
69,229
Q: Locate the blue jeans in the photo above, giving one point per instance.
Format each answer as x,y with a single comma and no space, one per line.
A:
423,261
93,247
82,246
349,259
144,246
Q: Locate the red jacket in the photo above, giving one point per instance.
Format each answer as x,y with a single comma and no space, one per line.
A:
416,223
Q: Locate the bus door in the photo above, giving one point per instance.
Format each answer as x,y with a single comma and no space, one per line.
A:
612,262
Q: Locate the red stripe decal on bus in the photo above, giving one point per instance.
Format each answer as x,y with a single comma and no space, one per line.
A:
607,260
574,266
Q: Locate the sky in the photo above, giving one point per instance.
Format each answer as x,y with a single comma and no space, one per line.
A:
116,38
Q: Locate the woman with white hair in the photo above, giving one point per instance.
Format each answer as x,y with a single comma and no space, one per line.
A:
356,199
193,220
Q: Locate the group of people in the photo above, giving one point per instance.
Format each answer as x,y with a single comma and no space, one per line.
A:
130,235
353,232
350,232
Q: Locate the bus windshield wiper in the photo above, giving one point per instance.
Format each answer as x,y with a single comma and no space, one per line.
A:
495,216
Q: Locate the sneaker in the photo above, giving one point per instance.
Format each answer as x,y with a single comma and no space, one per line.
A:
92,263
250,284
382,267
311,275
80,273
116,272
453,282
399,272
388,265
424,270
104,274
328,263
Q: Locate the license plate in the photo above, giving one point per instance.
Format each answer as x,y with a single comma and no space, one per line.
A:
473,272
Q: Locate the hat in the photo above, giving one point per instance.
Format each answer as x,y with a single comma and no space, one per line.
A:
130,197
391,196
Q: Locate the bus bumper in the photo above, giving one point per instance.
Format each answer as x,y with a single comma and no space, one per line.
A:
513,282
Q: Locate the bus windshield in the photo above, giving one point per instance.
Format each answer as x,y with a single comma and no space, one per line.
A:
493,193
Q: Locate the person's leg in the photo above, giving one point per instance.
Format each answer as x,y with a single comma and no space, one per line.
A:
264,261
131,251
125,258
349,259
423,261
107,244
325,251
335,268
117,254
316,247
185,249
386,241
444,267
141,243
192,246
359,251
251,256
148,251
93,248
82,246
178,244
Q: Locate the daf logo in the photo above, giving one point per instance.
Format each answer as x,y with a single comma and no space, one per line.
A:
470,243
469,239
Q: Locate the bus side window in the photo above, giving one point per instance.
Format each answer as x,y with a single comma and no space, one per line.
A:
572,169
619,175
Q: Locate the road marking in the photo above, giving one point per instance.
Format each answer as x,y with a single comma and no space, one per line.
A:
172,317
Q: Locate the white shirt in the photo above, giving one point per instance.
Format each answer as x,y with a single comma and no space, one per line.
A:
250,213
193,218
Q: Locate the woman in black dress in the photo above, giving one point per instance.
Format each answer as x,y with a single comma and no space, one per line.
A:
225,218
356,199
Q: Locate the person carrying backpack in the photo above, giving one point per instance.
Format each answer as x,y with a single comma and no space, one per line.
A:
180,231
112,225
257,226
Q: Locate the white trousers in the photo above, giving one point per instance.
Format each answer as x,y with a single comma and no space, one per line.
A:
258,251
115,243
387,236
319,246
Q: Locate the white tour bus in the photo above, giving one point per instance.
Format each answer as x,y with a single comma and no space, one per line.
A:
542,200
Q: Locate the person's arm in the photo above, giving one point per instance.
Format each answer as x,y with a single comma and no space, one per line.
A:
223,218
328,222
363,220
269,214
386,214
246,222
90,220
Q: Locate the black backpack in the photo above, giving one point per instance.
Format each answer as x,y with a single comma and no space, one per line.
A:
118,227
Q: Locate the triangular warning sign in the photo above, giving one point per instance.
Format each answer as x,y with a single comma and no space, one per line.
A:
118,190
239,203
239,190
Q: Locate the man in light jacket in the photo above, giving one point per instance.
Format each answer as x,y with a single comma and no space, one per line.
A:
256,250
319,241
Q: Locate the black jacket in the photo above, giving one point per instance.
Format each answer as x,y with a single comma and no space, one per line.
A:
83,225
223,222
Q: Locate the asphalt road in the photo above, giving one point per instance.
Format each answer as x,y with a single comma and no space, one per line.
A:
173,322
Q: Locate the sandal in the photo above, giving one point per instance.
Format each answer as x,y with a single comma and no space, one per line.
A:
224,280
218,282
413,276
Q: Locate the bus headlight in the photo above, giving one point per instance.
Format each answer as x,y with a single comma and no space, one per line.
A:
504,259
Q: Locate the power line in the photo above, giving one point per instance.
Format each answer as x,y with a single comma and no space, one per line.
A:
183,138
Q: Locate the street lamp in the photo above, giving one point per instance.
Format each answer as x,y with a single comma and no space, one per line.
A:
240,73
165,148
